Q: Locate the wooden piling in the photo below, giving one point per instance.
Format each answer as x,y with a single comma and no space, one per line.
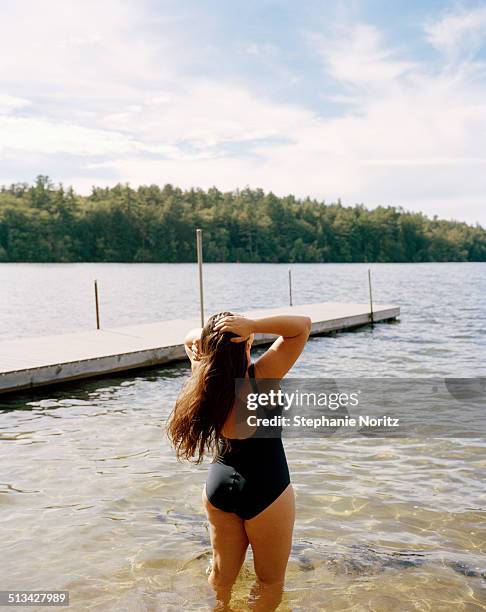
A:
290,287
97,305
200,262
371,298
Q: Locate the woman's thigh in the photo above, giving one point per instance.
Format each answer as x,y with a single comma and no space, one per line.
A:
270,536
228,539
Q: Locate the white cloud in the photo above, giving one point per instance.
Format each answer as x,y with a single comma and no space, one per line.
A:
45,136
83,51
358,56
458,33
426,161
160,98
11,103
38,135
260,50
208,113
171,125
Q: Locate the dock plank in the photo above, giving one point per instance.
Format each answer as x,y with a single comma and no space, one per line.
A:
31,362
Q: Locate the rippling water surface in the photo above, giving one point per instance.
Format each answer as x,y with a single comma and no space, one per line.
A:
92,500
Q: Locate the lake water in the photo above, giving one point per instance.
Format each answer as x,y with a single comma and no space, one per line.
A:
92,500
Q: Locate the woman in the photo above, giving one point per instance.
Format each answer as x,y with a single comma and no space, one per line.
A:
248,496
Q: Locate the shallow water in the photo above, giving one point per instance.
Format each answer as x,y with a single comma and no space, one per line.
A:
92,500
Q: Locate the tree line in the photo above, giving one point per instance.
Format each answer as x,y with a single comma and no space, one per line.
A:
43,222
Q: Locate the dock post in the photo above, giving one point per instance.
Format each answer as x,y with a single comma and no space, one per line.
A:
200,262
371,298
290,286
97,305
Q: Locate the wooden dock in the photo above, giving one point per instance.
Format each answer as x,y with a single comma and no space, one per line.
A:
32,362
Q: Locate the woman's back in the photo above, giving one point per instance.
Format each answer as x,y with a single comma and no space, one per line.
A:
248,474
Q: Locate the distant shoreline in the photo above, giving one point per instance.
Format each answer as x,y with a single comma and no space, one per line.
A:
45,223
246,263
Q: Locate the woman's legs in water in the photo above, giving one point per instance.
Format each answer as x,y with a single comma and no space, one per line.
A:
229,542
270,536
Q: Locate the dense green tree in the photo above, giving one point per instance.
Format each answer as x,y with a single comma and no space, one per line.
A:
45,222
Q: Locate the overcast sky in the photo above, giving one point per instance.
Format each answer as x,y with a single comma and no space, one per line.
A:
373,102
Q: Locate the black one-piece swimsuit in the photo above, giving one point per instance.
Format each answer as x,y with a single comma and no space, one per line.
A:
250,475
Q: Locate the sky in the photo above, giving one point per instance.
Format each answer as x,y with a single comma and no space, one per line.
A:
373,102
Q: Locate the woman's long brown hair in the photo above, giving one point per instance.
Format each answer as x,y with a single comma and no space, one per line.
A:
205,402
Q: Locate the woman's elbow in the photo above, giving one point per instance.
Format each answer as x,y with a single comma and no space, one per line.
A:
307,324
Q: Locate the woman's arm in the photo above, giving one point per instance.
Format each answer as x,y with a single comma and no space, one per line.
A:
287,326
192,345
278,359
293,331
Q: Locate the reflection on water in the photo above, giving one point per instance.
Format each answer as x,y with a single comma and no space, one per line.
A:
92,500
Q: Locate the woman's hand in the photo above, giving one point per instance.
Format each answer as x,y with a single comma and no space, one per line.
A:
241,326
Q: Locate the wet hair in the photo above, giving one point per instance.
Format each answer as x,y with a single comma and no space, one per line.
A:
206,399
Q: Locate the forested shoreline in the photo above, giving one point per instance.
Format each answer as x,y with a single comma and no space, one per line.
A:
44,222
